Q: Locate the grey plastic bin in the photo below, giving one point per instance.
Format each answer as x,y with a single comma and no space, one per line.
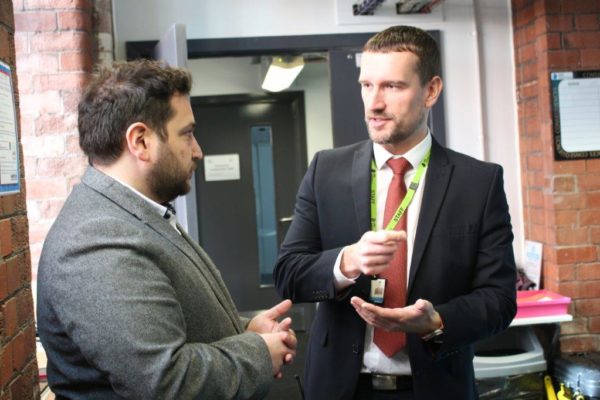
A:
514,351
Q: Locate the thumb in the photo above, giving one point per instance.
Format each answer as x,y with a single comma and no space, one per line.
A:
423,305
279,310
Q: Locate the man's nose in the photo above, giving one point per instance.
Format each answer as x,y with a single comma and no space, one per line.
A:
375,100
196,150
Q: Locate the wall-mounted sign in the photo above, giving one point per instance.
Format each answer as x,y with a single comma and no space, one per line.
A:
222,167
576,114
9,144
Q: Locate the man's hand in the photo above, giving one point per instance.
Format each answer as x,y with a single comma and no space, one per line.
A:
266,322
280,339
420,317
282,346
372,254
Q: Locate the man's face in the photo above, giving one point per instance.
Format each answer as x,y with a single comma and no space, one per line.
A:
396,105
176,160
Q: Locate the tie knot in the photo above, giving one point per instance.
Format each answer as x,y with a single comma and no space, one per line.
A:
399,165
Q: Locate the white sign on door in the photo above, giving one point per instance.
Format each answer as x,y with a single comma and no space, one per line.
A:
222,167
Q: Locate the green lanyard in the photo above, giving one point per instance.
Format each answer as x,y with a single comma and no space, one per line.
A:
410,193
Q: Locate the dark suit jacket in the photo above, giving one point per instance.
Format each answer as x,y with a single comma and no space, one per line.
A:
129,308
462,262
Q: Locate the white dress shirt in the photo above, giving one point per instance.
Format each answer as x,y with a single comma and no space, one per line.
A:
374,361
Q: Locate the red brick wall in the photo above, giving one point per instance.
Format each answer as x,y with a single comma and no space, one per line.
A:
561,198
18,367
57,44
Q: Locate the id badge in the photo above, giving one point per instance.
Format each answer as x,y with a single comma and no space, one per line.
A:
377,290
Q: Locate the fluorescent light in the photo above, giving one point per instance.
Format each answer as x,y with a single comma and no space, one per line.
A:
282,73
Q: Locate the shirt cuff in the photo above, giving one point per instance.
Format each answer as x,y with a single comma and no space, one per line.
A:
340,282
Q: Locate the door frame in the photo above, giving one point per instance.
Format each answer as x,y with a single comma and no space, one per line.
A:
302,314
299,124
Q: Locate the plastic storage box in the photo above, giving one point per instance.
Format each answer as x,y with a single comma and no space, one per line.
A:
512,352
538,303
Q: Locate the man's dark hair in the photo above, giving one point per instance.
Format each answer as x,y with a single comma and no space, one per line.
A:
408,38
129,92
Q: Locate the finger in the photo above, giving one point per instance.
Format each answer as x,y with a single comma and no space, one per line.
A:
384,236
279,375
356,301
288,358
369,249
289,339
367,317
381,258
285,325
278,310
396,236
373,270
379,237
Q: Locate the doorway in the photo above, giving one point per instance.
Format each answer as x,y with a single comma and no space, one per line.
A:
254,159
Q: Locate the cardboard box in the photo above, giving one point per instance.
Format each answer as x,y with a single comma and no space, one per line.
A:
538,303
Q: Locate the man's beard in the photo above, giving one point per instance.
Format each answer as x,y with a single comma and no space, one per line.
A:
167,180
398,134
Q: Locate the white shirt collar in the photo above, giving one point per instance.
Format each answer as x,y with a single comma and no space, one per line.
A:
157,206
414,155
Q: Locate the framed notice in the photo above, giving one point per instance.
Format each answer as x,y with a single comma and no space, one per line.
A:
9,144
222,167
576,114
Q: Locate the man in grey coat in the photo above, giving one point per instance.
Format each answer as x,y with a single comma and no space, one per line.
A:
129,306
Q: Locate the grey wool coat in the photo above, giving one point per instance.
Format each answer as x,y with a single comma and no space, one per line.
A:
129,308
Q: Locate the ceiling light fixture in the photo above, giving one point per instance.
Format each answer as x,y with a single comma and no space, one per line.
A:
282,72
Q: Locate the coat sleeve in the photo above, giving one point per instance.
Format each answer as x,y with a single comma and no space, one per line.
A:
304,269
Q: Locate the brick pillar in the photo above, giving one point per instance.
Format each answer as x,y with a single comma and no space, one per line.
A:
18,366
57,44
561,198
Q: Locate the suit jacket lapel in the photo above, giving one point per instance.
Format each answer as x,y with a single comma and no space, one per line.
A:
361,180
221,290
436,184
361,188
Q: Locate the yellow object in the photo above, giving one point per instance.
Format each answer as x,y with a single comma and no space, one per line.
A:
564,393
550,393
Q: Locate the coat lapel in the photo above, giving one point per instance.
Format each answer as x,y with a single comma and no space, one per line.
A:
361,180
215,278
436,184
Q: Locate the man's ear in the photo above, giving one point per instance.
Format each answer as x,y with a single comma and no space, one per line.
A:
138,138
434,88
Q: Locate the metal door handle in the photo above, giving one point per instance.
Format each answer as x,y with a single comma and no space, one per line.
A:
286,219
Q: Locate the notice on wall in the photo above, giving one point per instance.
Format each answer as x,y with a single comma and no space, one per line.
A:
576,114
222,167
9,145
533,261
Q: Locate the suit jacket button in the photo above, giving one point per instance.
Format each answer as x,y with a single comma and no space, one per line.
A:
355,348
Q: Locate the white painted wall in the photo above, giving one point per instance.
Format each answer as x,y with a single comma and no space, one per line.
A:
477,53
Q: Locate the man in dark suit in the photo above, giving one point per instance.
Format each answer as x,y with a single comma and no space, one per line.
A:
402,215
129,306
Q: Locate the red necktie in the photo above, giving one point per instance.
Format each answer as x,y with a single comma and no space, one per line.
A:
395,287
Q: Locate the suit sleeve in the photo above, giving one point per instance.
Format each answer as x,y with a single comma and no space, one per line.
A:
129,323
490,304
304,269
